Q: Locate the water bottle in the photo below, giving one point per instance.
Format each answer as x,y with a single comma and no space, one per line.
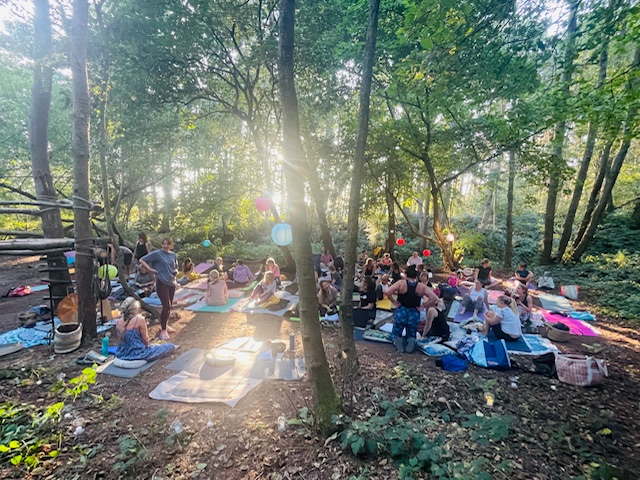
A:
292,342
105,346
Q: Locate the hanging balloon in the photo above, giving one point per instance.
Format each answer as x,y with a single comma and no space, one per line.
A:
426,253
450,237
263,204
281,234
105,270
400,242
206,243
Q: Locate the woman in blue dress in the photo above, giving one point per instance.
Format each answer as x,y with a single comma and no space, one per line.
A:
134,337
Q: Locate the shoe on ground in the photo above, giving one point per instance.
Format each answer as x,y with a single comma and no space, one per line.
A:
411,345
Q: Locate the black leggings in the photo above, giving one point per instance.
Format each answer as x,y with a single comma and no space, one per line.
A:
500,335
165,294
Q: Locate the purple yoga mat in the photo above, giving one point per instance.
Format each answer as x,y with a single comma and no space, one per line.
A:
202,267
467,315
577,327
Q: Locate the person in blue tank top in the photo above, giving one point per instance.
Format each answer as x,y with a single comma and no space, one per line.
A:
407,315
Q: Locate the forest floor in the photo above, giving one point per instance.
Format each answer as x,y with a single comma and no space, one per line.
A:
544,429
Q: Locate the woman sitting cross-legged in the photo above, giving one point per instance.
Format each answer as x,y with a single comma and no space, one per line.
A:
134,337
264,290
366,312
217,293
241,275
327,298
478,297
524,303
503,320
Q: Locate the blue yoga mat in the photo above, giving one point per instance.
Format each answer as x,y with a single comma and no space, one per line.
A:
218,308
519,346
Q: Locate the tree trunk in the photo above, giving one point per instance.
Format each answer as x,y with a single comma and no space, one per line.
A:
586,162
38,145
319,202
391,215
167,197
614,171
80,148
326,402
508,250
424,208
557,160
346,310
595,192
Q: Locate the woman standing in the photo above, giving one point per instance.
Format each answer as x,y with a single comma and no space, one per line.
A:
164,264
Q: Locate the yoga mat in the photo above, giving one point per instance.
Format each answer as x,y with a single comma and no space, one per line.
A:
555,303
190,361
384,304
39,288
202,268
202,306
199,284
232,293
110,369
246,305
520,345
458,318
576,327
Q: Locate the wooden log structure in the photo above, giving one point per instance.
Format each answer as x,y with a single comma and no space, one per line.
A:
36,244
21,234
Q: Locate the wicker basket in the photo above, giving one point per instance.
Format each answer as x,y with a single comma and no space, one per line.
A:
67,337
555,334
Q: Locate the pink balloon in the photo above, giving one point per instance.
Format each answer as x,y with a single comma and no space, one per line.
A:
263,204
400,241
426,253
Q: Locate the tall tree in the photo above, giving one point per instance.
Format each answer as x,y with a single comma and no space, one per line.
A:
326,400
611,176
80,148
557,163
346,310
39,144
508,250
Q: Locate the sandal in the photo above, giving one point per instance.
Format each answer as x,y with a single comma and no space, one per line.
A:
90,358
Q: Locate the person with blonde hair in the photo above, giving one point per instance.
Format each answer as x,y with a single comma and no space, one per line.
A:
217,292
265,290
134,336
503,320
272,266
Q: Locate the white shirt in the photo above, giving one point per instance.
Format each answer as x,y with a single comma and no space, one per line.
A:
414,261
475,294
510,323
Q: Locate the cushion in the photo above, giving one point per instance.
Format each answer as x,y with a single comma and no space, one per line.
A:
131,364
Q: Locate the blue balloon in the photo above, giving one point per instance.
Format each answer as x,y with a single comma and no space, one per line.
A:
71,260
281,234
206,243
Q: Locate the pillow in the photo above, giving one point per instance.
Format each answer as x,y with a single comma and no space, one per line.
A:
217,360
436,350
129,364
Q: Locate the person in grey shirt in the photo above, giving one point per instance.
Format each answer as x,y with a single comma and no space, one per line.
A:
164,264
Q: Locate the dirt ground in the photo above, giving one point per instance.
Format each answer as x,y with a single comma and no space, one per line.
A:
558,431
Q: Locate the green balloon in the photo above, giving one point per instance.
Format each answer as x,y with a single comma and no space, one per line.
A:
107,269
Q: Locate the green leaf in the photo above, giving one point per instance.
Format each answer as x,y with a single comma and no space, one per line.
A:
14,444
17,460
4,448
54,453
426,43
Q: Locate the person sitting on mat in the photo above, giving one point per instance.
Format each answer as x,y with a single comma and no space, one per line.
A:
396,273
327,298
134,337
265,289
217,293
219,265
523,275
187,272
385,263
145,280
524,303
241,275
414,259
478,297
383,286
362,258
272,266
436,322
336,279
326,260
369,268
483,273
407,315
503,321
366,312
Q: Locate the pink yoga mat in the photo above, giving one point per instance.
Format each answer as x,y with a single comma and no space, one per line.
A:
202,267
577,327
200,284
